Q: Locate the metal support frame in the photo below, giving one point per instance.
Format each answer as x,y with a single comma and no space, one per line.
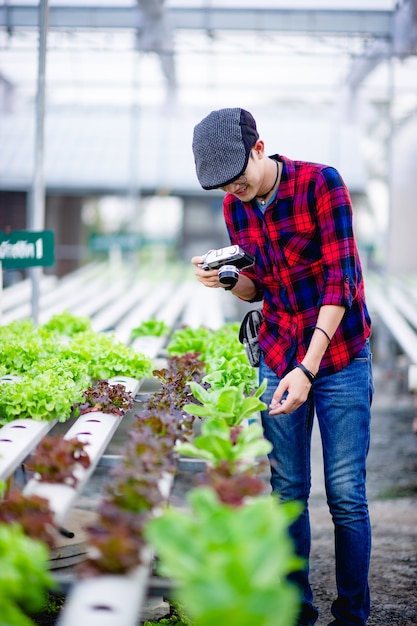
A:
374,23
36,216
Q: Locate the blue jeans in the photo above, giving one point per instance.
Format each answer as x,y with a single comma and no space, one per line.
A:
342,404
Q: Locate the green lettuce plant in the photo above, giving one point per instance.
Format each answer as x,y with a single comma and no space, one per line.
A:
150,328
106,356
218,442
52,371
232,371
21,351
66,323
210,344
228,403
230,564
47,396
24,576
224,342
189,339
224,356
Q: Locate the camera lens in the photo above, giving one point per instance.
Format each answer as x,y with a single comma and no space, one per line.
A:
228,275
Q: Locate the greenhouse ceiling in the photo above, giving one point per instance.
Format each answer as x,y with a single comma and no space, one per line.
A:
298,63
208,51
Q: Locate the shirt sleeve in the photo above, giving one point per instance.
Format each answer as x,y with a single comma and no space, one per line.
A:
339,252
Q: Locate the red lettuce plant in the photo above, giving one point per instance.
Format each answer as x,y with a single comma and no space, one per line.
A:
233,485
175,379
115,542
133,491
102,396
56,458
32,513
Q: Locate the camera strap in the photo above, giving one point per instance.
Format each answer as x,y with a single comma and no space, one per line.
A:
248,335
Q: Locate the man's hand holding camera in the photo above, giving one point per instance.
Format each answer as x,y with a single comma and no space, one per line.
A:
222,267
209,278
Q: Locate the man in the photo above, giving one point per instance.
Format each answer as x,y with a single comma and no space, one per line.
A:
296,218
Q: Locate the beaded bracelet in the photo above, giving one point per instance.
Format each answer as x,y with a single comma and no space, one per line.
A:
307,372
323,331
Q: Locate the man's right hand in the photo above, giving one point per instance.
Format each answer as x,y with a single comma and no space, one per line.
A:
244,289
209,278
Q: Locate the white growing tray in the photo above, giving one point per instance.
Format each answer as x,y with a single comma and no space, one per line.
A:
112,600
96,430
107,600
17,439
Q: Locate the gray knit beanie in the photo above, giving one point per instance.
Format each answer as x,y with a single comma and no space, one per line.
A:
222,143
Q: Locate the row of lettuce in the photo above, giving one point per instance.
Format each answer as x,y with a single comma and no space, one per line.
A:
48,367
229,553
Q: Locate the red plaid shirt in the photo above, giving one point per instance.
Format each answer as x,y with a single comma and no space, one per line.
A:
306,257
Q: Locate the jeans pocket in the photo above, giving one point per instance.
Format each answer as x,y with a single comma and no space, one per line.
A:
364,354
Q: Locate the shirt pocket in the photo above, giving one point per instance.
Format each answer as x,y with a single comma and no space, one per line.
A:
300,247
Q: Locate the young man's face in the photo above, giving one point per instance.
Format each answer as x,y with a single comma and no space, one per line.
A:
247,186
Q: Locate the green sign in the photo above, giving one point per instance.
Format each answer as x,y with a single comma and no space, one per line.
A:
24,248
124,241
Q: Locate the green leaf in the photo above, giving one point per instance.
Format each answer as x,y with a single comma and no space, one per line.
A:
236,561
150,328
216,426
199,393
24,575
229,403
215,444
188,449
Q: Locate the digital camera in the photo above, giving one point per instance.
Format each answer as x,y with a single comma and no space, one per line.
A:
229,261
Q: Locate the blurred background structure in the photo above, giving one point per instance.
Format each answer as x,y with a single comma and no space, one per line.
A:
98,99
